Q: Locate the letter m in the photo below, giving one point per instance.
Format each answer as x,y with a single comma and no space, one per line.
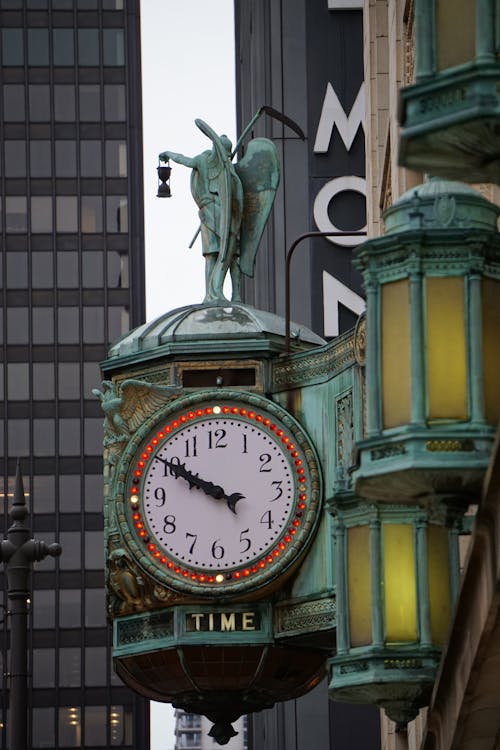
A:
227,622
333,114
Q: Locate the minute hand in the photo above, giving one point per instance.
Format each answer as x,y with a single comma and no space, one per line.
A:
209,488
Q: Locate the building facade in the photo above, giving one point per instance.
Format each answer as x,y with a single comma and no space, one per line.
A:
72,281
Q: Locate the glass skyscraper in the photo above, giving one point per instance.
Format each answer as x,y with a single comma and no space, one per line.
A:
72,281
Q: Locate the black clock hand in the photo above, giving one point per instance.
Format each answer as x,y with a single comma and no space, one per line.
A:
209,488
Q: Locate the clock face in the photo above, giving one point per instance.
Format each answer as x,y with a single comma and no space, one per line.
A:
222,495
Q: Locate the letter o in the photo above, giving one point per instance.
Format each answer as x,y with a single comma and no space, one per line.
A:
322,201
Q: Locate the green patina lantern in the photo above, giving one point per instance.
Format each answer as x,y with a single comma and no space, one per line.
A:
451,115
430,412
397,571
433,313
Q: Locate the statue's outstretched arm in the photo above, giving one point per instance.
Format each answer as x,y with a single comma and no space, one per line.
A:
186,161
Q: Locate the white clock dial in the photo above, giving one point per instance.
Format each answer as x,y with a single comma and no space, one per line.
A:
218,493
221,495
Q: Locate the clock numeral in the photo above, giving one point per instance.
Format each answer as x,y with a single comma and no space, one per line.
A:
215,438
277,484
194,537
245,540
267,519
265,459
245,449
190,445
169,524
160,495
218,551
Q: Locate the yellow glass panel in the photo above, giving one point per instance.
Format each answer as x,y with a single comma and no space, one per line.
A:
400,589
455,32
396,368
359,585
438,561
491,348
446,348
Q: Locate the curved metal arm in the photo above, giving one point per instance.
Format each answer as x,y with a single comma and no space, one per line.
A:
288,261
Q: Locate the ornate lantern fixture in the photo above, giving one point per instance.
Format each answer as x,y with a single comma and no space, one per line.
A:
450,116
397,573
433,314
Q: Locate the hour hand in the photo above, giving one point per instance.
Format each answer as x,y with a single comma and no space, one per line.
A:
209,488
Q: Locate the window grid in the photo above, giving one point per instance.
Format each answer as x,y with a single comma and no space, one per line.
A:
42,266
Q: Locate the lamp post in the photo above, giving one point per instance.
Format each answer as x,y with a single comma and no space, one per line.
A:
18,552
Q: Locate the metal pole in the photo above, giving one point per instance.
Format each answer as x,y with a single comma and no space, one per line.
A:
19,551
288,261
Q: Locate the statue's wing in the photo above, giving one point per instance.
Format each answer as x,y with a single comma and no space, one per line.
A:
141,399
259,172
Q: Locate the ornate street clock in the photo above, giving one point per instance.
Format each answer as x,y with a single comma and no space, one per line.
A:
213,491
221,493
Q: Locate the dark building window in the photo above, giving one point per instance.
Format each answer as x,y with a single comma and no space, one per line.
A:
69,493
65,158
113,49
116,159
70,667
43,388
43,727
39,103
95,609
17,325
95,725
69,380
44,609
63,47
38,47
88,47
92,270
12,47
18,436
93,325
42,270
41,213
44,437
66,213
70,726
44,667
93,493
40,159
43,325
70,607
13,103
90,103
91,213
64,103
71,544
17,381
17,270
90,158
117,213
114,103
15,158
67,270
96,665
43,494
16,219
94,548
69,437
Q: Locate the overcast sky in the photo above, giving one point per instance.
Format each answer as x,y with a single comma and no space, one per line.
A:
187,72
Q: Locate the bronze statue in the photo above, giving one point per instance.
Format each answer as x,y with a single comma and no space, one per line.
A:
234,202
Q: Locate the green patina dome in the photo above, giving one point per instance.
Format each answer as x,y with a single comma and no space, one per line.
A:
214,327
441,204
